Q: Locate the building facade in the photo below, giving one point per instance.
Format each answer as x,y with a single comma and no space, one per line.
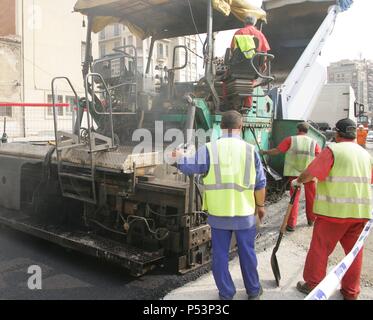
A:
51,41
118,35
10,83
359,74
370,84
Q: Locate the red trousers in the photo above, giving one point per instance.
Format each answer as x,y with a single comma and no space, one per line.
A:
325,236
248,102
310,192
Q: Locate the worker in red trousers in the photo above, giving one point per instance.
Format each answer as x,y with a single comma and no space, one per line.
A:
299,151
343,205
243,39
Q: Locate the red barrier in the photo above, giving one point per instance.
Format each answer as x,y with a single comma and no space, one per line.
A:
21,104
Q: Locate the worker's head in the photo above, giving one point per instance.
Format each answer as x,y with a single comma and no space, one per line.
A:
303,127
346,129
361,127
250,20
231,121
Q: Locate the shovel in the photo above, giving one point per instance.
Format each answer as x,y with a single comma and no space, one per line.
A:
275,176
274,263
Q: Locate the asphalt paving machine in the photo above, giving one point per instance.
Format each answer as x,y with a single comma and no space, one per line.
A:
94,189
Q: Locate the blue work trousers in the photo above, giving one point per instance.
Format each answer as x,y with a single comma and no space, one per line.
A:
221,240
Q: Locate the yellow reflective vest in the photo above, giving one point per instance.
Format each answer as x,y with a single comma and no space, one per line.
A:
229,184
246,44
299,156
346,192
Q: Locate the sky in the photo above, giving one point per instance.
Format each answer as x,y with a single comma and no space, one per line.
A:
352,36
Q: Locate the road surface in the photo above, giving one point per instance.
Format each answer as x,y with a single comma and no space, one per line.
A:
291,257
71,275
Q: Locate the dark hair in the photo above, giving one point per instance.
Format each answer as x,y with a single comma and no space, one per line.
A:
231,120
349,136
303,127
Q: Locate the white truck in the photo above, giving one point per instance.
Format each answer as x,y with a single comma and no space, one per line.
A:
335,101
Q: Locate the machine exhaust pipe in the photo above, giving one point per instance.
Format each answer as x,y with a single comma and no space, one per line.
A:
191,115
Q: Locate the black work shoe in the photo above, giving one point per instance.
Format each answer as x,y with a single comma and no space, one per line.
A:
303,287
347,297
310,223
256,296
290,229
224,298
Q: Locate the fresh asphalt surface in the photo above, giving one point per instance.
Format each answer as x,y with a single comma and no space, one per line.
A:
71,275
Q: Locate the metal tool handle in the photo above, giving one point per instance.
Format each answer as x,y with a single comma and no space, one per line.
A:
259,148
290,207
278,242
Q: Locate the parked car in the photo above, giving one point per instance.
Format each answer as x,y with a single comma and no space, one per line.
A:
370,136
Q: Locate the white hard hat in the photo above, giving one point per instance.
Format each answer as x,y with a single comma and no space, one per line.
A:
361,126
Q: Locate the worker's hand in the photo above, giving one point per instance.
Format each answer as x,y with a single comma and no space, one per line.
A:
296,184
260,211
263,152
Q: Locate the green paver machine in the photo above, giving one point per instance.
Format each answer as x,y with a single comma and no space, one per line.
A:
103,187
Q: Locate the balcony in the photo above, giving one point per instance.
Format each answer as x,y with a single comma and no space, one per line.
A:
161,59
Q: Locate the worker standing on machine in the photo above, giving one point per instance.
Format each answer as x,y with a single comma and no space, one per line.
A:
244,41
343,206
234,192
300,151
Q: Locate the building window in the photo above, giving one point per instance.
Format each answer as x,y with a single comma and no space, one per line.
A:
167,51
59,109
160,50
115,68
116,44
116,29
102,51
73,105
102,35
130,43
84,48
6,112
124,41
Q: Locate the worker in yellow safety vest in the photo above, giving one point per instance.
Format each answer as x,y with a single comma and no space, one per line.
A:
343,206
234,193
299,151
249,40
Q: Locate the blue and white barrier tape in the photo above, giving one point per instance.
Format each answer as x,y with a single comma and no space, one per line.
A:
330,283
